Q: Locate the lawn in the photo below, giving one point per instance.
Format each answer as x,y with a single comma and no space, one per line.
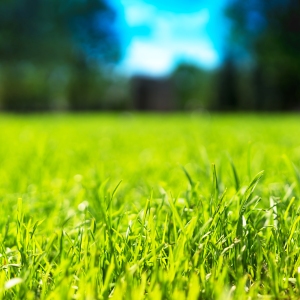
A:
153,206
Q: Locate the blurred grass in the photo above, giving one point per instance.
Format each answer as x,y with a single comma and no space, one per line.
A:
143,148
188,220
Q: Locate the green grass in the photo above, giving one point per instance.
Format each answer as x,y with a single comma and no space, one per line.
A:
149,207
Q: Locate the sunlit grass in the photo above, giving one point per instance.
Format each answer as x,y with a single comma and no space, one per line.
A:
149,206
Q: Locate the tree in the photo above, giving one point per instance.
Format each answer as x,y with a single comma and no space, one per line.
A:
268,32
73,36
193,86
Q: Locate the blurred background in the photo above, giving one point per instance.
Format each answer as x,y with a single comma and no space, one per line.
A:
154,55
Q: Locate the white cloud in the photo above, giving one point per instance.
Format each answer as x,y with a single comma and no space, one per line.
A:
139,14
147,57
144,56
173,37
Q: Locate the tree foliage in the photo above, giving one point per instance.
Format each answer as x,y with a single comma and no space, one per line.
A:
268,32
192,86
52,30
52,37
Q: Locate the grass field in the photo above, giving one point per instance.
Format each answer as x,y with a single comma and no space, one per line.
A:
127,206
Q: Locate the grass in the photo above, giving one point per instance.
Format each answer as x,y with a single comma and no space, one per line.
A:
149,207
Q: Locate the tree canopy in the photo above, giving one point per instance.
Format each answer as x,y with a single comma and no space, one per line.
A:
268,32
48,46
53,30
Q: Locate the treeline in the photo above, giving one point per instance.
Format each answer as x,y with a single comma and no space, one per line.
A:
26,86
261,67
56,54
265,53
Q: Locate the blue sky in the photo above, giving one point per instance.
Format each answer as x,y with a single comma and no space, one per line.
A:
157,35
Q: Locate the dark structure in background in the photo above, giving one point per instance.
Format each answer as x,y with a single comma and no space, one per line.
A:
226,84
154,94
187,88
